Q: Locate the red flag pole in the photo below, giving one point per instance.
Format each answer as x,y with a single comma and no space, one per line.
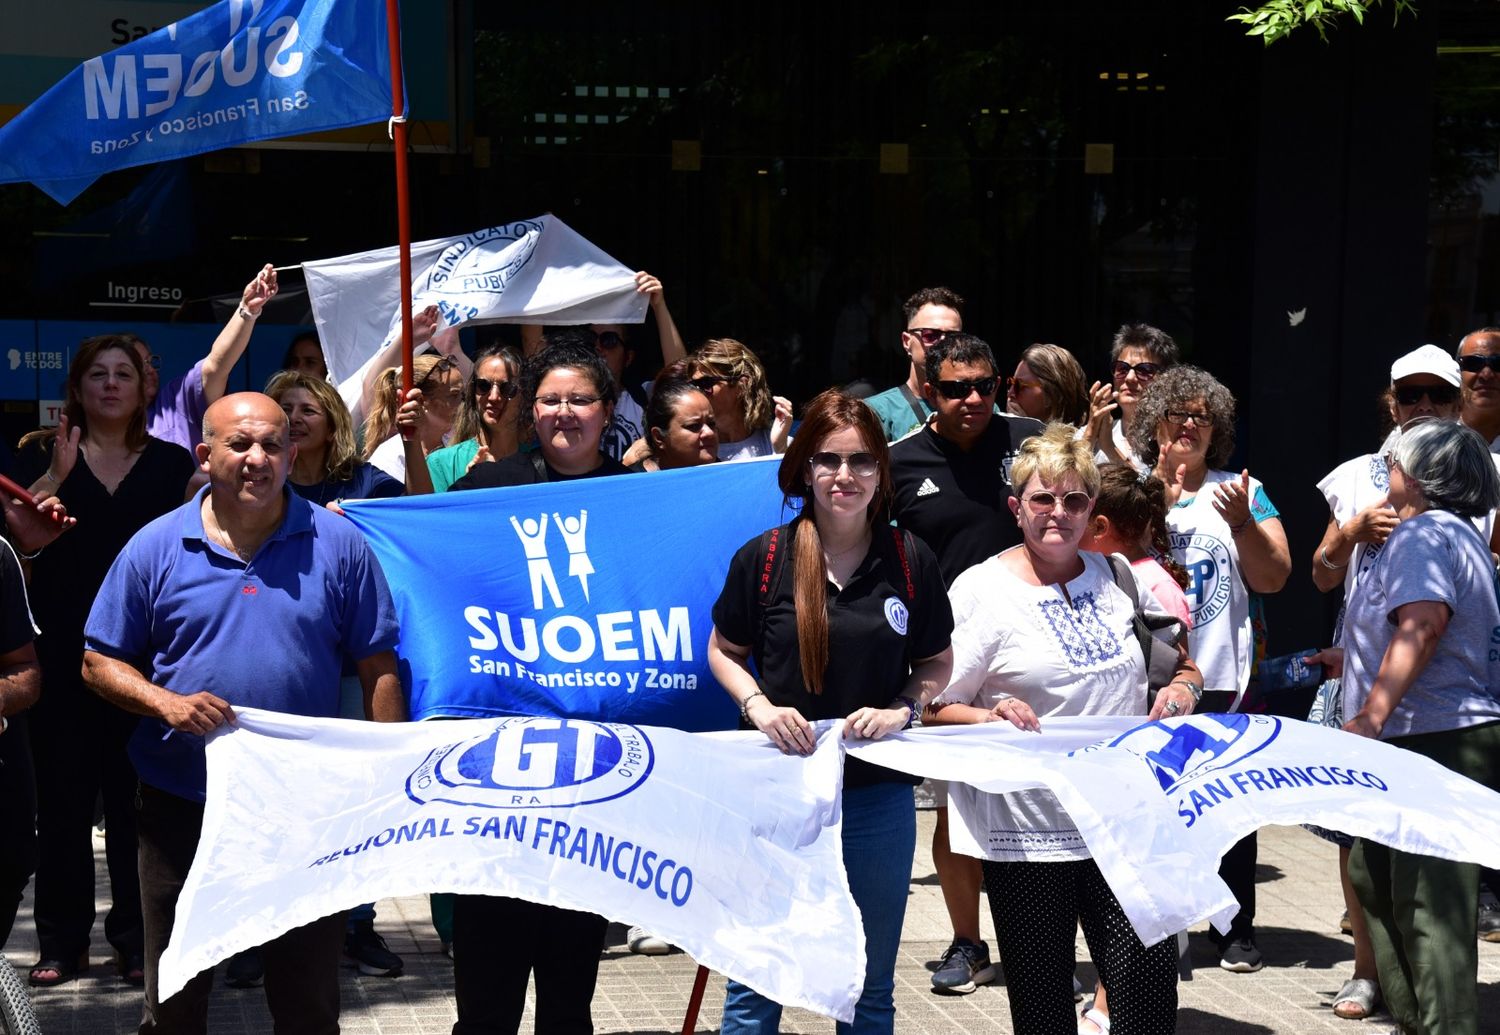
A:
403,203
695,1002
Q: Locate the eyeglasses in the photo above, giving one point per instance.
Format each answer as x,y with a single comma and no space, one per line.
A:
1016,384
928,335
572,402
1439,395
861,464
1474,364
706,383
1177,418
483,386
1073,503
610,340
1143,371
985,386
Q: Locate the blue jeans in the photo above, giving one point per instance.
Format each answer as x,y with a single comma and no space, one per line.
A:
880,838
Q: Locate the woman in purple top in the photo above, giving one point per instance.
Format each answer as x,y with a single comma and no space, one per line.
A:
115,479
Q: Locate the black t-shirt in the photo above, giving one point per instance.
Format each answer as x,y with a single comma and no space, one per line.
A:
873,635
15,616
954,499
521,469
67,575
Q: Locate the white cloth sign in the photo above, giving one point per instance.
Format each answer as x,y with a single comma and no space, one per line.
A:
538,271
716,842
1220,776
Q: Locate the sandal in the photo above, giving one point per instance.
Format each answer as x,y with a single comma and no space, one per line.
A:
1357,999
49,973
1093,1022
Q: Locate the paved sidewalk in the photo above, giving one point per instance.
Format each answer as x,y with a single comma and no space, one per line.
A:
1299,906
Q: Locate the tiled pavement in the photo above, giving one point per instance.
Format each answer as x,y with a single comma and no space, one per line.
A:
1299,906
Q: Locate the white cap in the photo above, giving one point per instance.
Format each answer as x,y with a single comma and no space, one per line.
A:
1429,359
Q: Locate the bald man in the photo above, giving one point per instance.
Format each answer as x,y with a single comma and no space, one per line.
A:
244,569
1479,361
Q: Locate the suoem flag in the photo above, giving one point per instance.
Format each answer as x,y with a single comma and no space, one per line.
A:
237,72
585,599
1159,803
538,271
716,842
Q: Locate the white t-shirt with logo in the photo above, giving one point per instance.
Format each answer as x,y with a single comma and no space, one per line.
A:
1221,640
1073,654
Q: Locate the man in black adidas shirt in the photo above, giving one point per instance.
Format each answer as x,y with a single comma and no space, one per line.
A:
952,483
952,476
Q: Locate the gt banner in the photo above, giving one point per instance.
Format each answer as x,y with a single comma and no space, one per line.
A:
586,599
237,72
716,842
1220,777
531,271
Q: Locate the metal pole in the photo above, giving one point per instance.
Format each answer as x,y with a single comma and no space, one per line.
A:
690,1021
403,204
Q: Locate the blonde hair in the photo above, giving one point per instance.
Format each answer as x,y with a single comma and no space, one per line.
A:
725,357
1052,456
342,456
381,422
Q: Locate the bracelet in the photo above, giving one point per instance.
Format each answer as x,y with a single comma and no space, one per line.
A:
1237,529
1193,688
246,314
745,704
1323,556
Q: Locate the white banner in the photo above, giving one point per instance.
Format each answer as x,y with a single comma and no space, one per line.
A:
1220,776
538,271
716,842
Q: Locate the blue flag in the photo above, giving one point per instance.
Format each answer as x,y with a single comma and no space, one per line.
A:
239,71
580,599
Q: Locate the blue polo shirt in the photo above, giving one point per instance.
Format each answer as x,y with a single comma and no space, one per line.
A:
268,634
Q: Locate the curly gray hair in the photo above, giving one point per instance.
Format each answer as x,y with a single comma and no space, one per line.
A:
1175,389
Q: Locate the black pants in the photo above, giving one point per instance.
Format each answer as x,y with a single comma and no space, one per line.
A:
78,751
498,943
1237,869
17,821
302,966
1037,907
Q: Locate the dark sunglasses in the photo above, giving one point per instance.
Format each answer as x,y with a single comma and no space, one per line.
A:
1143,371
861,464
985,386
608,340
508,389
1440,395
1016,384
705,384
446,363
928,335
1474,364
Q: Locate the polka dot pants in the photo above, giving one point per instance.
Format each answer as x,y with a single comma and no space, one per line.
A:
1037,907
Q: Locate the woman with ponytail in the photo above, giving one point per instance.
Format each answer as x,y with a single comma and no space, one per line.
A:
852,622
440,381
1130,519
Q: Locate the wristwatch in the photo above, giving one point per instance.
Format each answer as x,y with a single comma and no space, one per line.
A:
1196,689
913,710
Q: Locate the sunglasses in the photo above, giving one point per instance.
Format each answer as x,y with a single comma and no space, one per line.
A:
1177,418
483,386
706,383
861,464
610,340
1440,395
1073,503
1143,371
985,386
1017,384
1474,364
928,335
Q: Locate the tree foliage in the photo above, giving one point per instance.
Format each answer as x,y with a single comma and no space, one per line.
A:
1277,19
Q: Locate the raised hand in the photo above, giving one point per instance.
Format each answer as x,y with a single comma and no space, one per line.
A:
1232,500
259,291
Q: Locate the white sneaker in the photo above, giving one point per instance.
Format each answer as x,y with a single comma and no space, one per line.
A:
643,943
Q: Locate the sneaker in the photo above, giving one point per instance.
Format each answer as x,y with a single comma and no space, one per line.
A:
367,951
1489,916
964,967
643,943
1241,957
245,970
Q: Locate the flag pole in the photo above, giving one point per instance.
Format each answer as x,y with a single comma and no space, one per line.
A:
695,1001
403,203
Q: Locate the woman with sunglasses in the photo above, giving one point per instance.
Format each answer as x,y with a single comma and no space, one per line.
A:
1138,354
854,625
1042,630
1228,535
1049,386
430,414
752,422
488,424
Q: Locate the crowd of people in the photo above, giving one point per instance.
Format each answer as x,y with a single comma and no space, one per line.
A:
970,547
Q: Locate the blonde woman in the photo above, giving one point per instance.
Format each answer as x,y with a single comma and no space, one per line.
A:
441,384
752,422
328,467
